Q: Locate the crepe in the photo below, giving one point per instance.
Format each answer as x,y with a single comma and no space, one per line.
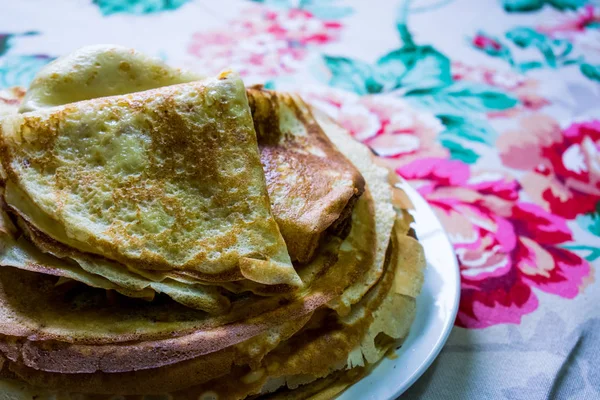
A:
165,179
313,353
312,186
65,333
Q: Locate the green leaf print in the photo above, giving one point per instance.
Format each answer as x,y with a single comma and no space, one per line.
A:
461,97
472,129
138,7
353,75
4,46
458,151
534,5
553,52
415,68
7,38
567,4
593,253
423,75
591,221
590,71
523,5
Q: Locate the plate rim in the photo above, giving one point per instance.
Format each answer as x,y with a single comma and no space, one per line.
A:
413,194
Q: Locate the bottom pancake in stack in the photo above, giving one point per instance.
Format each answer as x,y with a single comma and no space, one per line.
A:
63,337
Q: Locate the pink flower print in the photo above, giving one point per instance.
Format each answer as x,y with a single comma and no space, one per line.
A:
397,132
506,248
484,42
524,88
563,166
573,22
262,43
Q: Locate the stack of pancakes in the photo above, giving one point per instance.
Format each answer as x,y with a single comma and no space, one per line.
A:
165,235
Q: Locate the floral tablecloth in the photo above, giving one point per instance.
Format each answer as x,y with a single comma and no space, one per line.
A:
491,109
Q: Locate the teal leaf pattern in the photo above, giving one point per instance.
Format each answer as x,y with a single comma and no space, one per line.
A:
591,253
553,52
461,97
590,221
523,5
137,7
4,43
469,128
567,4
590,71
7,38
269,85
534,5
415,68
20,70
423,75
458,151
352,75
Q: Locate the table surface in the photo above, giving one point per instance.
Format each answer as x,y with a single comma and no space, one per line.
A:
491,109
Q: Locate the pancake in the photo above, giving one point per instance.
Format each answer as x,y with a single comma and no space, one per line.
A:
19,253
356,253
116,338
307,356
166,179
71,326
312,186
99,71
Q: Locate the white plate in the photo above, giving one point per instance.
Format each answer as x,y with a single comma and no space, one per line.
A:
437,306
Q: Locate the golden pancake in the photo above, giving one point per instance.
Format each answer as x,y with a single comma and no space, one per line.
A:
312,187
166,179
101,336
65,334
378,182
310,353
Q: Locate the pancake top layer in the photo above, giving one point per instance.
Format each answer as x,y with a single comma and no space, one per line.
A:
99,71
166,179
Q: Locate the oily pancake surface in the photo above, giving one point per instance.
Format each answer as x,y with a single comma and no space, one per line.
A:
167,179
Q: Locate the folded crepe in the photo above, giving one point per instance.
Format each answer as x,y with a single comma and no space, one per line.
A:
273,329
312,187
